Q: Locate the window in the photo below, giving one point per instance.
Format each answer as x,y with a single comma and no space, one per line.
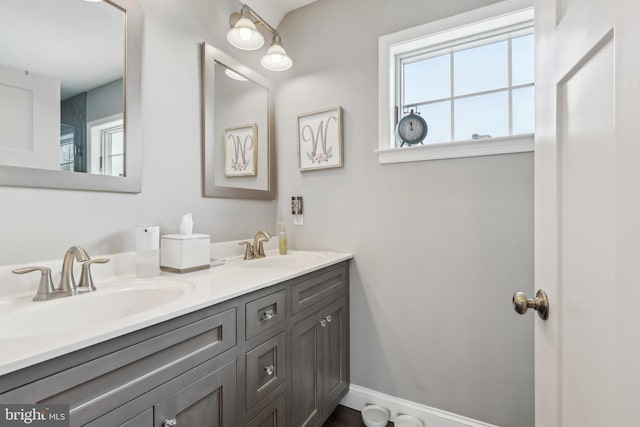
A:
106,140
471,77
67,147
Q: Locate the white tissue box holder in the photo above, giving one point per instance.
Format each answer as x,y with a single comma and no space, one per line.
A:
180,253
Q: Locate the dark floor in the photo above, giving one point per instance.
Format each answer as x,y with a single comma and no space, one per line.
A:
346,417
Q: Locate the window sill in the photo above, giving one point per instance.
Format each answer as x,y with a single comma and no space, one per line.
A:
453,150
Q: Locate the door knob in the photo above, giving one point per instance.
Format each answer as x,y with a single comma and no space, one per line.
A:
540,303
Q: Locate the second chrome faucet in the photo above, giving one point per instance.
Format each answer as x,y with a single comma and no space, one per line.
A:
256,249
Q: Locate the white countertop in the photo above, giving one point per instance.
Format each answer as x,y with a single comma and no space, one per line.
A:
22,347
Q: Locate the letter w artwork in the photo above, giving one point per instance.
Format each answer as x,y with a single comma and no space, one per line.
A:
320,140
241,151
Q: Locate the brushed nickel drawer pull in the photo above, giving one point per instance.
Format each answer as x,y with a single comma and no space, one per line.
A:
268,314
170,423
269,370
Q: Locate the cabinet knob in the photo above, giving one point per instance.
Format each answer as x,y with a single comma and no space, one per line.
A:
268,314
328,318
540,303
269,370
170,423
323,323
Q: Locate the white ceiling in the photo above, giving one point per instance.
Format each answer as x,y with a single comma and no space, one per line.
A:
274,10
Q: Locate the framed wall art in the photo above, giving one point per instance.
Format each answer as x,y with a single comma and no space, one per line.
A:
320,139
241,151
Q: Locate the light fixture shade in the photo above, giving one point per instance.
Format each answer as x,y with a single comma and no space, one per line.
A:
244,35
235,76
276,59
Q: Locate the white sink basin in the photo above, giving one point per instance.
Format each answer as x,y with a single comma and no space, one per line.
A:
112,301
291,261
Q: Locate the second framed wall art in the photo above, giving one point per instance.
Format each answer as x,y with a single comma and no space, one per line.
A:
320,139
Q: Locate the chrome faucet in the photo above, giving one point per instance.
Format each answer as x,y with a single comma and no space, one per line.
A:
67,286
258,243
67,282
256,249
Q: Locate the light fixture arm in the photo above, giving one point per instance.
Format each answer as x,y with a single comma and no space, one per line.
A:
251,14
244,35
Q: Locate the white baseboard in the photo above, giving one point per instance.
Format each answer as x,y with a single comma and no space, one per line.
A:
358,397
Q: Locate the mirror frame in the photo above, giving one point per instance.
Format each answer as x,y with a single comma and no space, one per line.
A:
16,176
210,56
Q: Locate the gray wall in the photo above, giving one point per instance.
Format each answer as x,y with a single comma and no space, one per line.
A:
41,224
104,101
440,246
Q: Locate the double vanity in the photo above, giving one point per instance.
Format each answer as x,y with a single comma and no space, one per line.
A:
259,342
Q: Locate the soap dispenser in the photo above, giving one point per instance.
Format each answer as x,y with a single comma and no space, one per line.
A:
147,250
282,239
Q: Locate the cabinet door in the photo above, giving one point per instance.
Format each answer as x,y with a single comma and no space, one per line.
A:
265,369
306,383
145,419
208,402
274,415
335,352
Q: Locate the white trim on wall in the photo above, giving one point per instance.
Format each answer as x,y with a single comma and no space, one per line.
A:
358,397
453,150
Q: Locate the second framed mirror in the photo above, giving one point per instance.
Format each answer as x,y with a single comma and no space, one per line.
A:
238,142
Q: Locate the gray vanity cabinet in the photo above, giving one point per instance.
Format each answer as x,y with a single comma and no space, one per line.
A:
208,402
274,415
320,346
306,384
276,357
319,364
144,419
335,354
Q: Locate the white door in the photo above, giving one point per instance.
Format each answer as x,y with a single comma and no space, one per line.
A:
587,215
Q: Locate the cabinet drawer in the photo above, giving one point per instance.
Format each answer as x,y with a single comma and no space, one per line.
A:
210,401
274,415
264,313
316,288
98,386
266,369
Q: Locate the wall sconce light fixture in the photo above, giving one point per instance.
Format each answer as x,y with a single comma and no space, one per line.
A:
244,35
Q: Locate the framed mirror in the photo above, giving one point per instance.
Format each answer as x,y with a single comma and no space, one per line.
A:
70,94
238,143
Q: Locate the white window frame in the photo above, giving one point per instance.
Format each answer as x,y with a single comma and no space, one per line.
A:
98,131
478,23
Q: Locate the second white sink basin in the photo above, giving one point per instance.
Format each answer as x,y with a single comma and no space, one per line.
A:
112,301
292,261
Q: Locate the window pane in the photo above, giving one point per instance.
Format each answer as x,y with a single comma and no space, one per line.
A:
523,111
484,115
438,118
117,168
522,57
481,68
117,142
427,80
66,152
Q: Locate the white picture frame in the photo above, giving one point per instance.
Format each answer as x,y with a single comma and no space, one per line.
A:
241,151
320,139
